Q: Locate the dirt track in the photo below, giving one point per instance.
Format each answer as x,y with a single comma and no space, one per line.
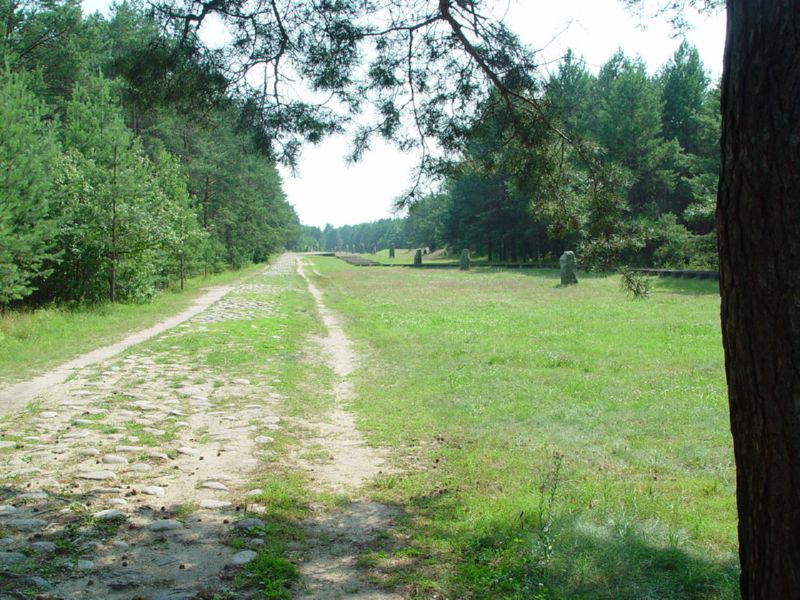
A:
132,479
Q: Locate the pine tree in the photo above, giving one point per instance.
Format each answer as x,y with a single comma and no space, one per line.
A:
111,200
28,156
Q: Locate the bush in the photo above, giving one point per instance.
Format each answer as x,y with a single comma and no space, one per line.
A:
635,282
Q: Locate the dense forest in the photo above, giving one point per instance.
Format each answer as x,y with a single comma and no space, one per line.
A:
636,184
126,164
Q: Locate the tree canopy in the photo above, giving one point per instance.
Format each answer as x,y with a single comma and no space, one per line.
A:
642,198
114,185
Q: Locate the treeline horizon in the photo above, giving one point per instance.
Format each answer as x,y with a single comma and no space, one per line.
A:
129,165
126,165
623,170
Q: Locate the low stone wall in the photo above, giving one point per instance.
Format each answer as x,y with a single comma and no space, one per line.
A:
359,261
681,273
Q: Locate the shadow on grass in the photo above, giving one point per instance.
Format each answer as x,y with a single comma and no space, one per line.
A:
513,554
555,274
344,547
692,287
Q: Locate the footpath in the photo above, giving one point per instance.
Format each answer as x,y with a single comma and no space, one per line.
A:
132,475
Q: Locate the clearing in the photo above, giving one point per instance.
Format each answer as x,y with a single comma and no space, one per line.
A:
326,431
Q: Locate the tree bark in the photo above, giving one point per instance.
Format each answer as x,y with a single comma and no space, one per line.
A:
114,254
206,194
758,220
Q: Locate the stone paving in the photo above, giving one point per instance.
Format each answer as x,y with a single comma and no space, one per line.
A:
131,480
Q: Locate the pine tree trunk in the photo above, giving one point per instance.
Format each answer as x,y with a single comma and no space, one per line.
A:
205,201
114,257
9,29
758,219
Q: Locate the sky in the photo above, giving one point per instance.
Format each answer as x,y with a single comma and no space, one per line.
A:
325,189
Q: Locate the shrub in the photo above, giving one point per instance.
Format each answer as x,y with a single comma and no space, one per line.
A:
635,282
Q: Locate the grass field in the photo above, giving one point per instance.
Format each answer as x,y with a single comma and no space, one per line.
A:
555,442
405,256
32,341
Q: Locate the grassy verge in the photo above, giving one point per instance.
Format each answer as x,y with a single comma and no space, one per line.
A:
32,341
556,442
405,256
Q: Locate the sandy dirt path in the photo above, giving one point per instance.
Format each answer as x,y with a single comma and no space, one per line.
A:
16,396
330,569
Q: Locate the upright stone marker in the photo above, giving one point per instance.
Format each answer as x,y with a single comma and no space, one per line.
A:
391,251
418,258
463,264
569,268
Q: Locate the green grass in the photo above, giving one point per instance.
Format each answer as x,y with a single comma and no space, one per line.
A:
269,573
553,442
405,256
32,341
267,346
402,256
557,442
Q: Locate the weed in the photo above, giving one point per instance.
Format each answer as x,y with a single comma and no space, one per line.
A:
184,511
635,282
548,488
237,543
272,576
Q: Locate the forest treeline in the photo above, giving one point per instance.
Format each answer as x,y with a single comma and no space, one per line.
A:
125,164
623,169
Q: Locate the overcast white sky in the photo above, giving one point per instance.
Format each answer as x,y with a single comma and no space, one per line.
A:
326,190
